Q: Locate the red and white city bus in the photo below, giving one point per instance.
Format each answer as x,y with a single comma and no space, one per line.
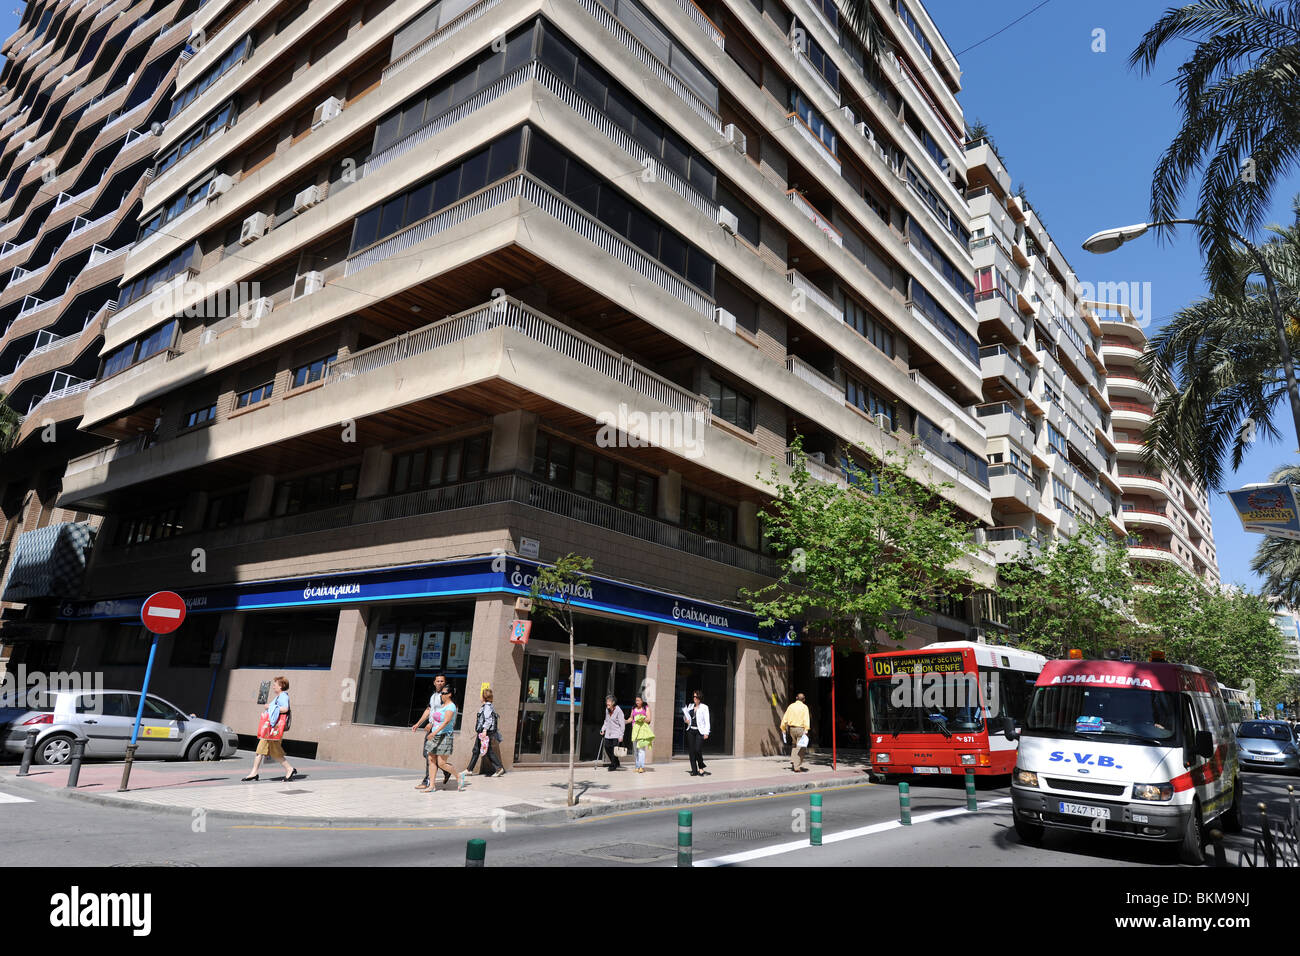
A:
946,707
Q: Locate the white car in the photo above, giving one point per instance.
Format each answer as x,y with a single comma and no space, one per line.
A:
106,719
1137,750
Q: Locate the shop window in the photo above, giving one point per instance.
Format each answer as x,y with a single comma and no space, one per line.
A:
126,644
202,635
409,647
288,639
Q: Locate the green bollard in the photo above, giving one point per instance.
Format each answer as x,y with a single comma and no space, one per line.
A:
905,804
475,852
971,802
683,837
815,820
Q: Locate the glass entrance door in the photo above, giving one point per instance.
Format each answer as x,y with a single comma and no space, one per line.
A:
544,706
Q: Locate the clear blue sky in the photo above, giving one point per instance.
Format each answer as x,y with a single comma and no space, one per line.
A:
1083,132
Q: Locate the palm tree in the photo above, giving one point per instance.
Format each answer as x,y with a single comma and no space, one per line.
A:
1278,559
1239,92
1217,363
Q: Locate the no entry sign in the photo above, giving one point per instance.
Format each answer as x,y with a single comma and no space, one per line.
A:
163,612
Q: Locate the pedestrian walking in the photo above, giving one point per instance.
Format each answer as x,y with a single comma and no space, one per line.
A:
643,736
439,743
796,723
271,731
614,728
697,731
485,725
435,701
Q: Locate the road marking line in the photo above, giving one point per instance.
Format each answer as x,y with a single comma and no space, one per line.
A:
837,837
10,798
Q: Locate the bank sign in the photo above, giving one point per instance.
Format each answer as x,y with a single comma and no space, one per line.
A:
1268,509
448,579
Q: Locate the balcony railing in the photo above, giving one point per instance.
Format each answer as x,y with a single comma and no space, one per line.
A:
703,22
997,408
806,373
70,389
512,314
651,62
814,295
1008,469
517,487
437,38
1119,405
813,140
809,210
525,186
1008,533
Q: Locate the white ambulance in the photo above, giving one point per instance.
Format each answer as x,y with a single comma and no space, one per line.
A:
1131,749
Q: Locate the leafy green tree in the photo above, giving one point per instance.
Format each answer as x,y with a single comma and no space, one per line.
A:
1218,365
861,556
552,594
1073,593
1239,94
9,422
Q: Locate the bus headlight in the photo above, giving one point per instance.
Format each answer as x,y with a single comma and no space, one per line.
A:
882,758
1026,778
1153,791
968,760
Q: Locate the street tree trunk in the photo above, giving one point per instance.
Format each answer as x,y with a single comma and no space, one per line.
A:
572,676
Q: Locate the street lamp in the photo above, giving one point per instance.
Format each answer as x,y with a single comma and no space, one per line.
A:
1108,240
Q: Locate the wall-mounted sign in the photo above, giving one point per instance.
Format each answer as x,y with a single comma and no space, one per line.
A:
529,547
519,631
431,650
383,655
408,645
458,650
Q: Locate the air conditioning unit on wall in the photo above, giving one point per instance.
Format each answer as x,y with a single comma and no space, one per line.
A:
306,199
728,220
218,186
734,137
307,283
331,108
254,228
724,319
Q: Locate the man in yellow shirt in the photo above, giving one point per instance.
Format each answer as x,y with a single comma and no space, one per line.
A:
795,723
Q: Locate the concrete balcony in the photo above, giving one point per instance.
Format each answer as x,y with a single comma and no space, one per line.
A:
814,295
943,398
1124,386
993,307
1139,483
1001,418
1153,552
818,220
806,373
1132,414
813,140
998,363
1013,488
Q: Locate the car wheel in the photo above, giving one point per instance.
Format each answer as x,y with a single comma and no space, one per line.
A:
1231,822
205,748
1192,850
55,750
1030,834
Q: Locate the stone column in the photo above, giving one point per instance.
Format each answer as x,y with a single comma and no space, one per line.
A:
261,492
376,464
762,693
338,710
661,682
669,506
514,435
196,506
493,660
747,524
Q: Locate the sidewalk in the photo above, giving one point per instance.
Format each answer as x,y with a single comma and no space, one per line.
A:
335,794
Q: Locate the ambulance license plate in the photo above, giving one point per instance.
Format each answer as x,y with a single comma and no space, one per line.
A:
925,770
1079,810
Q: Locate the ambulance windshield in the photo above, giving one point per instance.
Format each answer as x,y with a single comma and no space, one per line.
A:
1121,715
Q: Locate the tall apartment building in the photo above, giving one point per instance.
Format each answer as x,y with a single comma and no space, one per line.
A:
1166,518
428,293
82,85
1052,460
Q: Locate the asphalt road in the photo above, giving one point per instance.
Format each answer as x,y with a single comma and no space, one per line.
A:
860,829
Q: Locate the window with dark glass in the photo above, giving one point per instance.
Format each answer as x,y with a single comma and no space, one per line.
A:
748,219
959,456
870,328
955,278
862,396
945,323
225,510
316,491
800,105
277,639
201,415
253,395
729,404
219,119
707,517
820,61
153,525
408,647
428,467
732,298
233,57
559,462
312,371
551,164
169,268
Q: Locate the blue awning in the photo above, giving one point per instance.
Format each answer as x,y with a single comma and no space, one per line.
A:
49,562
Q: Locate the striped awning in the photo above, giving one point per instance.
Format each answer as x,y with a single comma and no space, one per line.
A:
49,562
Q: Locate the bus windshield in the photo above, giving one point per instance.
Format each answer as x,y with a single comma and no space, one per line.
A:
1120,715
944,705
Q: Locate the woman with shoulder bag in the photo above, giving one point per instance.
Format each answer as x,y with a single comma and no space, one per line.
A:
485,725
274,724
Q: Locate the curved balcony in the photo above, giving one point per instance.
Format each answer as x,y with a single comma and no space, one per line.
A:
1140,483
1125,412
1148,517
1123,386
1152,552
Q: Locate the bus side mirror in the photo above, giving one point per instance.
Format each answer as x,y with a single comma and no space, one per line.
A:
1204,744
1009,727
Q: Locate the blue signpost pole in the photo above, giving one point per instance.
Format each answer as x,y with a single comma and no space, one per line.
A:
139,715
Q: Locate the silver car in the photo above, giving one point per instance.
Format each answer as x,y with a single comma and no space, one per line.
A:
1268,745
106,718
